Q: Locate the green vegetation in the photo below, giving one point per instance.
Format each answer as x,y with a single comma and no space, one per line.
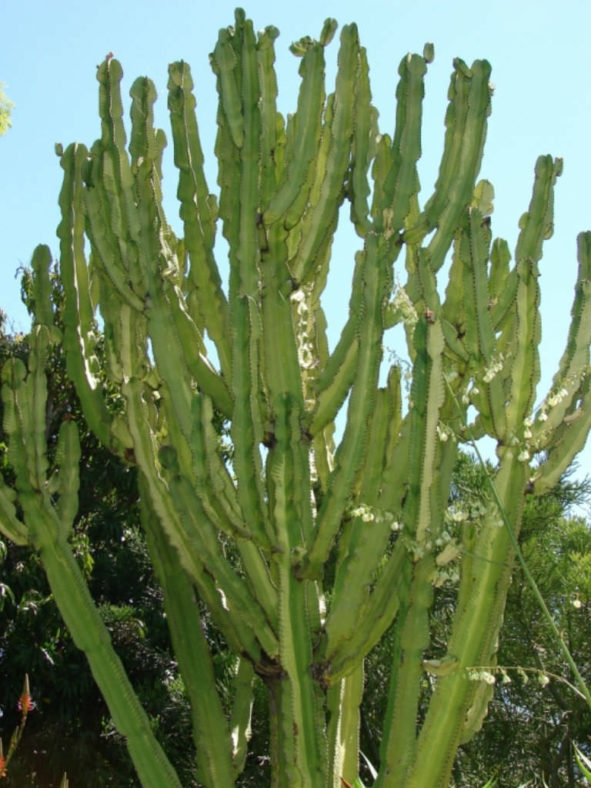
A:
6,106
305,557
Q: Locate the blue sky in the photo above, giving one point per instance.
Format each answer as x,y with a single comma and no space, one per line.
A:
542,104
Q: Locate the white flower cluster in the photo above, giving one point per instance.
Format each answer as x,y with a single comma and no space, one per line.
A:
472,392
527,425
569,385
477,674
543,679
487,675
370,514
365,512
403,307
557,397
306,355
456,515
493,369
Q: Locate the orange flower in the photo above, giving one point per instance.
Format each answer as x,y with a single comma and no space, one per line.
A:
25,702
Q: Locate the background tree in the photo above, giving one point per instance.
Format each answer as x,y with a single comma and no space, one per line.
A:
303,553
5,111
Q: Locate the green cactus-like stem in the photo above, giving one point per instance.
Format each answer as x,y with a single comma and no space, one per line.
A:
308,767
397,752
344,700
207,302
210,730
24,396
473,639
562,423
354,444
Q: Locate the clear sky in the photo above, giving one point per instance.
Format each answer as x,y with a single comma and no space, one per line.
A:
542,104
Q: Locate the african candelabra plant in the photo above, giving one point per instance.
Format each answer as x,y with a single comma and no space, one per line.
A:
304,552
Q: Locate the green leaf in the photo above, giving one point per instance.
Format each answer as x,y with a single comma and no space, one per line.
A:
583,762
491,783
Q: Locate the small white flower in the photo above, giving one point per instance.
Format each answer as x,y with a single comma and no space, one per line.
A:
576,603
481,675
558,397
495,367
442,433
306,355
370,515
459,516
403,307
523,456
